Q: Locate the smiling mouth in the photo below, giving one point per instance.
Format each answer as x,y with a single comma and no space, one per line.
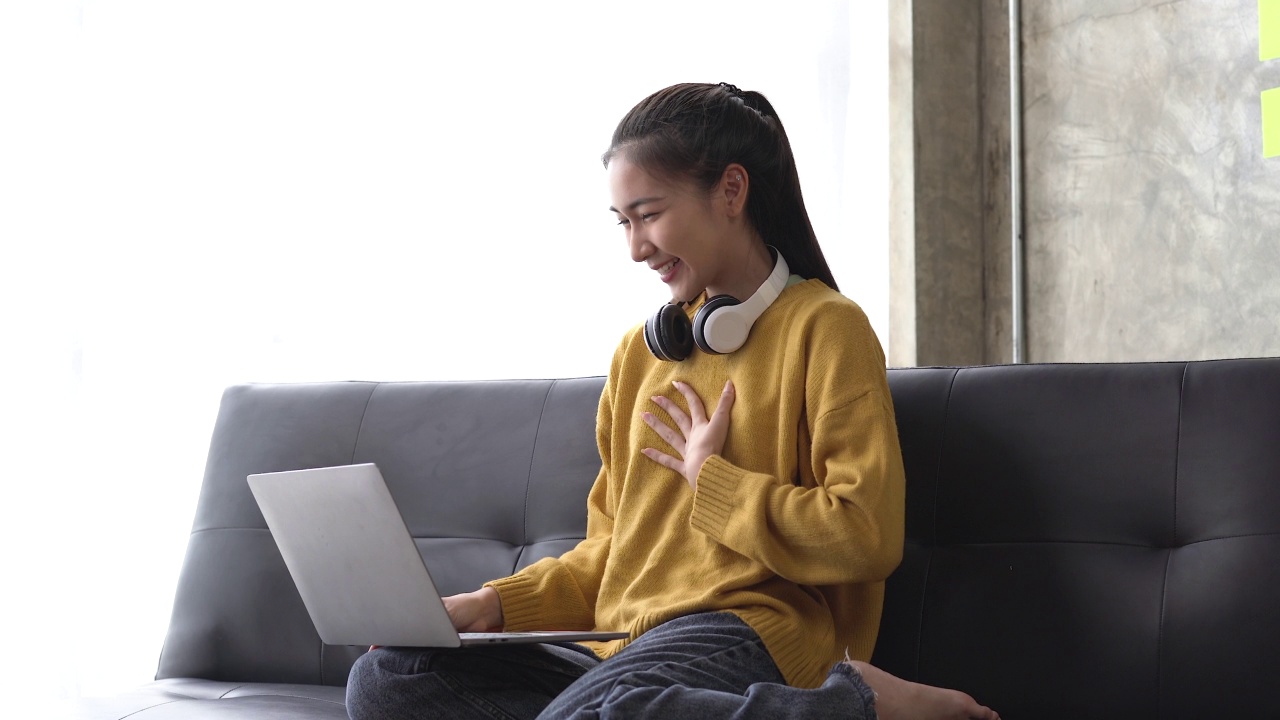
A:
665,270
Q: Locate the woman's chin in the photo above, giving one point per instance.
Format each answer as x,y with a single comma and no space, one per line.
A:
684,292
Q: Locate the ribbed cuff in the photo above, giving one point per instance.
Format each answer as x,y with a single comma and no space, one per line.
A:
713,500
520,601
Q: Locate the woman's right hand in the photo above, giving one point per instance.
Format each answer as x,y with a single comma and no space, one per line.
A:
479,611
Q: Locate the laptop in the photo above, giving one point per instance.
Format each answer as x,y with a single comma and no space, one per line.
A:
358,569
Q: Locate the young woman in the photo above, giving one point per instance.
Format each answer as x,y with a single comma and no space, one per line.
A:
750,502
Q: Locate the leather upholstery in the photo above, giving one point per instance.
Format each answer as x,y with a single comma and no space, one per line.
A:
1091,540
1083,540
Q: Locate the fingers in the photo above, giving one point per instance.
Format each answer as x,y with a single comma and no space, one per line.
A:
698,436
674,439
663,459
696,411
726,402
682,421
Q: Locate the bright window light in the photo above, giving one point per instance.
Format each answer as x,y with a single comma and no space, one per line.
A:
197,193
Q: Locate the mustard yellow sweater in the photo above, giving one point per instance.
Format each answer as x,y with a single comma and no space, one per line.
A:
793,528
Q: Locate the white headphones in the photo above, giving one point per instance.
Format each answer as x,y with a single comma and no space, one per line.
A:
720,326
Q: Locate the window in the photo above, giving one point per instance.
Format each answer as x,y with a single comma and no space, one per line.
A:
202,193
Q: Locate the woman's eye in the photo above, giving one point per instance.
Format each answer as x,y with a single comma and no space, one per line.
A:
623,221
648,216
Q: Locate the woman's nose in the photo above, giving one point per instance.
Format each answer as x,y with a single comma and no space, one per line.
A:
640,247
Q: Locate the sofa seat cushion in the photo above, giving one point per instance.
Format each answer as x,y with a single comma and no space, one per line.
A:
193,699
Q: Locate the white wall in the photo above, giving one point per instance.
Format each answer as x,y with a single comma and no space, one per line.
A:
200,193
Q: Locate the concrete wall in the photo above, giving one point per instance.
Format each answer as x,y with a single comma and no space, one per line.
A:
949,113
1152,222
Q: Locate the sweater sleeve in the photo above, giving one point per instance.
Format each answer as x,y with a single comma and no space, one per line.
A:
846,526
560,593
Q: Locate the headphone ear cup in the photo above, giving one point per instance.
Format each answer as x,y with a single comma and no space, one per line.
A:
703,315
668,335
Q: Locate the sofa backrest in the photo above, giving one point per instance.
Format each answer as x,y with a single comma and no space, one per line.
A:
1091,540
1095,540
490,476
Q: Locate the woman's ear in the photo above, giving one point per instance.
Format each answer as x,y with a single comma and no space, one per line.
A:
733,188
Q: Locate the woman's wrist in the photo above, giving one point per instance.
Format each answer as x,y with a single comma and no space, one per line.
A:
491,601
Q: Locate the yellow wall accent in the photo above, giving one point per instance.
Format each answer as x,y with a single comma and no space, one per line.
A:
1271,123
1268,29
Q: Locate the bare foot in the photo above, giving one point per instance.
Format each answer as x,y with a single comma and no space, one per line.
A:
898,699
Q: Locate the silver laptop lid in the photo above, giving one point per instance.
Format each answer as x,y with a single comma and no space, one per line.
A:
355,563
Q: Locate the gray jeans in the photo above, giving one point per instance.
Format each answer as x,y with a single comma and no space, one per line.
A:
703,667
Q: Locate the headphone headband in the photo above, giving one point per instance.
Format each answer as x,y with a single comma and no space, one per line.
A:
721,325
725,326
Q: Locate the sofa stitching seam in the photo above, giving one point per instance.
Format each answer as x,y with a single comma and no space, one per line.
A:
933,531
1104,543
985,543
1164,584
1177,452
277,694
139,711
1164,599
937,471
364,413
528,478
508,543
360,428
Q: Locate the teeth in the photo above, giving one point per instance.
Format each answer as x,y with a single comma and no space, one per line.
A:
664,269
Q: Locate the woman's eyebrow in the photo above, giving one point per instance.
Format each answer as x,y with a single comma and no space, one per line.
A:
636,203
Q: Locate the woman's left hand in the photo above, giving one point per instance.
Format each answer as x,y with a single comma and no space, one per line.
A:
699,437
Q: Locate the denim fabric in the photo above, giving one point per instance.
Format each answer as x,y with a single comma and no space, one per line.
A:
705,666
483,682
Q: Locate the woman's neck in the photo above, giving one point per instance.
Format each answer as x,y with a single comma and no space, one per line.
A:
744,272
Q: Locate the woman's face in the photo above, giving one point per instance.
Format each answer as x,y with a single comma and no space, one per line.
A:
671,226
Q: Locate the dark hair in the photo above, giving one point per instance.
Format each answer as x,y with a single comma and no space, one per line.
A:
696,130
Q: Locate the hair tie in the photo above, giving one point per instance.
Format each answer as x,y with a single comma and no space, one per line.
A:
733,90
741,97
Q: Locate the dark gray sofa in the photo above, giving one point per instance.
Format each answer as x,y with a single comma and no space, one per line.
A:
1084,541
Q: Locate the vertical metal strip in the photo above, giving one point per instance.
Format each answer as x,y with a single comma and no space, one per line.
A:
1016,265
